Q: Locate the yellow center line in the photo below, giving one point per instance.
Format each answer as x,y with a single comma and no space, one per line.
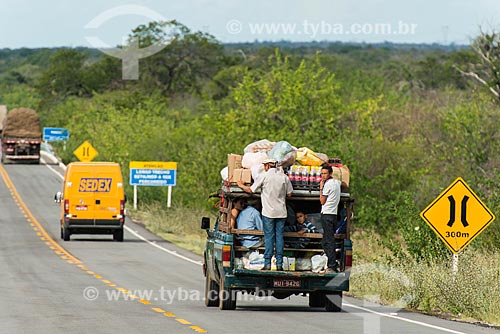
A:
32,218
183,321
198,329
159,310
59,250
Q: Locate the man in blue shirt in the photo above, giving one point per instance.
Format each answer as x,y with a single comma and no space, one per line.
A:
249,219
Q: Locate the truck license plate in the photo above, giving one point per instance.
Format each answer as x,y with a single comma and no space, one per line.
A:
286,283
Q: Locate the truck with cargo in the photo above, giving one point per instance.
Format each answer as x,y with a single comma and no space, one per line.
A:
228,269
21,136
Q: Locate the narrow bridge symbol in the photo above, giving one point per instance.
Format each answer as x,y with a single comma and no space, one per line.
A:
463,216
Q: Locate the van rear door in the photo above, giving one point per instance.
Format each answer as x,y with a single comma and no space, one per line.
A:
108,193
81,199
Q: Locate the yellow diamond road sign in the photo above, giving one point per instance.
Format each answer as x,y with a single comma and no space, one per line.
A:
85,152
457,215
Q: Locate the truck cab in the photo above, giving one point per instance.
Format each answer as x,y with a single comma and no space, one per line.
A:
228,269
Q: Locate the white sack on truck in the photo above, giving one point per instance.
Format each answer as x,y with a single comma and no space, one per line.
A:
263,145
284,153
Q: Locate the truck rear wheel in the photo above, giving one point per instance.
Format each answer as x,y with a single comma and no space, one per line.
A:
317,299
333,301
66,234
227,297
118,235
211,292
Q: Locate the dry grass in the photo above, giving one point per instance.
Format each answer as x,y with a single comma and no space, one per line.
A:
470,294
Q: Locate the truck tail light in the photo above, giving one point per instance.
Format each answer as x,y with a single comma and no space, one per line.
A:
226,256
348,259
66,206
347,254
122,211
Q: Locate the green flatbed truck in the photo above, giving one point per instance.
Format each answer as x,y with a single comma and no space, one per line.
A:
224,258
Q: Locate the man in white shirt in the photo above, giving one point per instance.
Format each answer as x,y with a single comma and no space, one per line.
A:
329,196
275,186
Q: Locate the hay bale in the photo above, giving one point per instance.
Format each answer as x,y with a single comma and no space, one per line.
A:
3,112
22,122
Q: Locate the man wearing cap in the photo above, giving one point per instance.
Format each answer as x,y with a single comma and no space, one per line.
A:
275,186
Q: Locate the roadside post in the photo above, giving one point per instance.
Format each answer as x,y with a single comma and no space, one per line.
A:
457,216
153,173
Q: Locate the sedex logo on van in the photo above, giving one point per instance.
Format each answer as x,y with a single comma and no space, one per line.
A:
100,185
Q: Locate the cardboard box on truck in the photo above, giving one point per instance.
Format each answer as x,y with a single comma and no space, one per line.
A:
233,162
242,174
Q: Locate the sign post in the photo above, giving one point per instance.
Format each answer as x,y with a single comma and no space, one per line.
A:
153,173
457,216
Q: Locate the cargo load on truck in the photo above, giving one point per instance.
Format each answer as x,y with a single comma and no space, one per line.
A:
229,266
3,113
22,122
21,136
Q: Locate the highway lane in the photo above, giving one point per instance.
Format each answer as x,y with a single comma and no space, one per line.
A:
42,293
170,288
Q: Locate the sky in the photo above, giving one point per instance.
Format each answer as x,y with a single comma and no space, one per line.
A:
102,23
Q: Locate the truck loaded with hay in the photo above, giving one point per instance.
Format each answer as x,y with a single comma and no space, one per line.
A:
21,136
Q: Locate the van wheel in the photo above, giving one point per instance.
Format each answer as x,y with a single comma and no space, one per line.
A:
317,299
211,292
333,302
227,297
66,234
118,235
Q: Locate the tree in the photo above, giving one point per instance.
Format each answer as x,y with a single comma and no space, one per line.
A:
187,60
64,76
486,70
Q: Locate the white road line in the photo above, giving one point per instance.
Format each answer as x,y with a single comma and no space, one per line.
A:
56,172
162,248
404,319
140,236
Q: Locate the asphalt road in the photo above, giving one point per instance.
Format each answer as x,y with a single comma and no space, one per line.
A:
95,285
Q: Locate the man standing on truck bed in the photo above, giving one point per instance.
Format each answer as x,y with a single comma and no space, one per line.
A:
275,186
329,196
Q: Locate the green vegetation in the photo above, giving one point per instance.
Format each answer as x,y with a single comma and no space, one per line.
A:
402,117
